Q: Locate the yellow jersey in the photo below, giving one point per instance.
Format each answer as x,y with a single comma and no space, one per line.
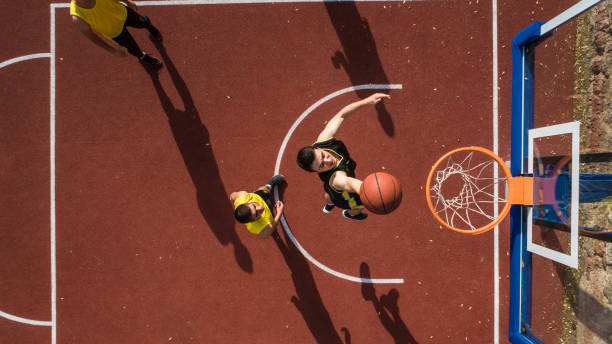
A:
266,218
107,16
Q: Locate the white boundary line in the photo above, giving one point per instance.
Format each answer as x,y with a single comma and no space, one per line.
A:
495,76
239,2
52,177
277,170
23,58
231,2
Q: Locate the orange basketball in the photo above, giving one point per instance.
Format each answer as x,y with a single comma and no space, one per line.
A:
380,193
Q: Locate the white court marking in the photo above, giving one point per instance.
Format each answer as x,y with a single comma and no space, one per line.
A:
24,58
279,158
24,320
495,115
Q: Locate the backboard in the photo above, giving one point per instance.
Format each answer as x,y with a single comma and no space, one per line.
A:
557,140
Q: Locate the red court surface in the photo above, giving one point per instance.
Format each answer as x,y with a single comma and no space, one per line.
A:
145,246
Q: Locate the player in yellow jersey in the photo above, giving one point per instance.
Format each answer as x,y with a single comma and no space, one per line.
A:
110,19
254,209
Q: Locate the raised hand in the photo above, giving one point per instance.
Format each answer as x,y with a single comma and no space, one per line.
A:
376,98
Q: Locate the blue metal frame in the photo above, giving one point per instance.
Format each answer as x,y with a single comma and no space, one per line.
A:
522,120
523,56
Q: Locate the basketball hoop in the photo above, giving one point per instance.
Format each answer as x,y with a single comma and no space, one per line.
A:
461,193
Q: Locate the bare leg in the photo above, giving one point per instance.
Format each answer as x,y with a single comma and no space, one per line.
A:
329,205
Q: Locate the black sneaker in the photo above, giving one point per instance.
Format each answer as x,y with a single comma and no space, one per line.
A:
151,60
276,180
328,208
358,217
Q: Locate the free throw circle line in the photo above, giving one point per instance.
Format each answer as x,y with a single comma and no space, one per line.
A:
24,58
277,171
24,320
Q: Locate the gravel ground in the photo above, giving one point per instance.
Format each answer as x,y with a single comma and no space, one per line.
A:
588,293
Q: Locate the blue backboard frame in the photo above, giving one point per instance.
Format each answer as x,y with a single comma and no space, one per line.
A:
519,324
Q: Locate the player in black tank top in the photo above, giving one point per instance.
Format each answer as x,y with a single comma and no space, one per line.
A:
340,198
331,160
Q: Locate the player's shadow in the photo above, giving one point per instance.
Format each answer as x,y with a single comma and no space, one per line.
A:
192,139
593,314
308,300
359,56
387,309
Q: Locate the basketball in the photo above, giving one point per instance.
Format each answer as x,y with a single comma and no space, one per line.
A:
380,193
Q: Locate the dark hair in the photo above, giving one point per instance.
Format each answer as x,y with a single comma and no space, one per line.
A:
243,214
305,158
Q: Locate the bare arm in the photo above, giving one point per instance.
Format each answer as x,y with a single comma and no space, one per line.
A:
334,124
340,181
131,4
88,32
234,195
278,212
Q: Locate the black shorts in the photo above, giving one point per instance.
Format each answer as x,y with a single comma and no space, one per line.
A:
346,200
125,39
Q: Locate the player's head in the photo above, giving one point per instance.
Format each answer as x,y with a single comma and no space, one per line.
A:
305,158
248,212
316,159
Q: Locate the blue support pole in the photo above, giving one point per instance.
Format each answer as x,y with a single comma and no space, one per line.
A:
522,121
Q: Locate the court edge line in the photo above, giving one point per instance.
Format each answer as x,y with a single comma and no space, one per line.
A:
52,176
238,2
24,58
277,171
495,176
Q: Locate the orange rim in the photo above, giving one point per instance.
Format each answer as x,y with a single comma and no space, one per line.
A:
502,214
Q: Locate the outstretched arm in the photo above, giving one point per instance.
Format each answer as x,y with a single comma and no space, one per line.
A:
88,32
334,124
340,181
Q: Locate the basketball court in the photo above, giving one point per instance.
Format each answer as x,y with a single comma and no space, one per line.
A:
116,220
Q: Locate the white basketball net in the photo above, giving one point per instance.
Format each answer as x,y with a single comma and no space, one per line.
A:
470,203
